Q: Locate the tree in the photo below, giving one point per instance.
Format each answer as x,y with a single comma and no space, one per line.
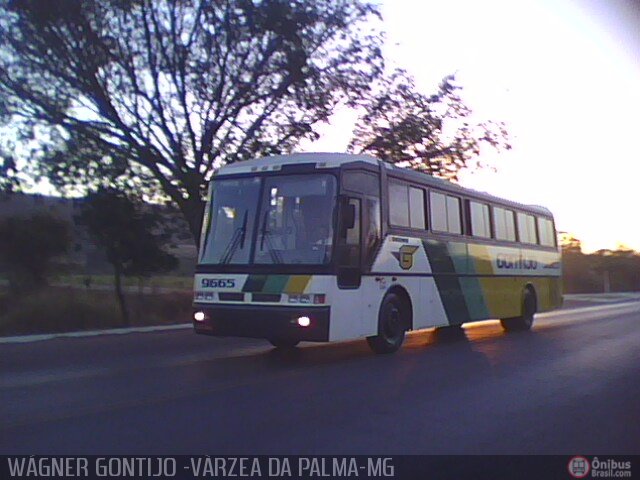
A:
154,96
159,94
436,134
602,271
619,269
27,247
132,239
569,243
578,275
8,178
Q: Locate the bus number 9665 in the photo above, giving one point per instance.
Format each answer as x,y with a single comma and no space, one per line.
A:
218,283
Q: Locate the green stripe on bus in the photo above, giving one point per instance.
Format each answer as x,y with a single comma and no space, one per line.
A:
275,284
254,283
458,253
448,283
474,298
474,293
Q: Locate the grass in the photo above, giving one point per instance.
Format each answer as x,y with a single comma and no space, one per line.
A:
101,280
162,281
66,309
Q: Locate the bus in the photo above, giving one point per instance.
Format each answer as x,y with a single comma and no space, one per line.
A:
326,247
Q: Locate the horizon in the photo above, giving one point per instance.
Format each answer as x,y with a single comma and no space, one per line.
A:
563,237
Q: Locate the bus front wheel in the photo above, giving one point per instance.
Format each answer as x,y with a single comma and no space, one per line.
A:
392,325
525,321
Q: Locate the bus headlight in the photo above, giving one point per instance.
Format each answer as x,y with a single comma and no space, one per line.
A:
199,316
304,321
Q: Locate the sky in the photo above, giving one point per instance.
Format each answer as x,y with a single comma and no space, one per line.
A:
564,75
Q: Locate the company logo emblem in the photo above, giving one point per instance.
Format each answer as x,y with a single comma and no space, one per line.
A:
510,261
579,467
405,256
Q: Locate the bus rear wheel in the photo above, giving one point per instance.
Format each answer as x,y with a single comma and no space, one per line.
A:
525,321
393,321
283,343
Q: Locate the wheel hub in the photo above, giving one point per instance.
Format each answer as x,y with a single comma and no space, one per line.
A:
393,322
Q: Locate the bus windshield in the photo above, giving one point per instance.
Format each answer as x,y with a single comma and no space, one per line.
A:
229,221
294,220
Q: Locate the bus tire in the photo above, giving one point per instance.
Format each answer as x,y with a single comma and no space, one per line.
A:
393,321
525,321
283,343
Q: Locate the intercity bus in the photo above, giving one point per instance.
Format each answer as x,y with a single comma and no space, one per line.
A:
328,247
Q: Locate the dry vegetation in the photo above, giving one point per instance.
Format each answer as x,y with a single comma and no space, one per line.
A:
65,309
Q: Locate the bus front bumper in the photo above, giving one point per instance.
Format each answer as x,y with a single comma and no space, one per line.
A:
263,321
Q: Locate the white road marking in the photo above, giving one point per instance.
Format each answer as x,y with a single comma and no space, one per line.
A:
40,377
603,297
93,333
596,308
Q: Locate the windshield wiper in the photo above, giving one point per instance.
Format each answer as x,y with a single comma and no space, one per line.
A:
265,236
236,240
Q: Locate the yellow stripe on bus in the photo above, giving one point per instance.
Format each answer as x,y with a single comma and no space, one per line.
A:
297,283
503,295
481,258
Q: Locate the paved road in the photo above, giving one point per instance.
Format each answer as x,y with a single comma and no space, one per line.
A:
570,386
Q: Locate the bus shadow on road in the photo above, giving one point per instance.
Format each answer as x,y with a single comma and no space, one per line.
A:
358,349
314,354
477,348
449,343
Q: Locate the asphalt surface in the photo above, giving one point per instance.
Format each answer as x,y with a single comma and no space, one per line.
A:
569,386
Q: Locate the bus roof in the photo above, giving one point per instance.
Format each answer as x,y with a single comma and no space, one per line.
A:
326,160
423,178
335,160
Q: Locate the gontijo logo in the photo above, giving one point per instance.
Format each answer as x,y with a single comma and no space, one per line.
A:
405,256
515,262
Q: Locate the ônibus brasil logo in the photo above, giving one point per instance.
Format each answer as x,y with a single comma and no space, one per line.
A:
579,467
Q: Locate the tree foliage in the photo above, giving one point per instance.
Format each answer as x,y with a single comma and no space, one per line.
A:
8,171
168,90
436,134
133,239
617,270
27,247
153,96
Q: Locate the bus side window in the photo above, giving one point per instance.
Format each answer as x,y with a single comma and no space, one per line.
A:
453,215
353,233
438,206
527,228
479,216
547,235
445,213
371,226
416,208
398,204
504,224
349,274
